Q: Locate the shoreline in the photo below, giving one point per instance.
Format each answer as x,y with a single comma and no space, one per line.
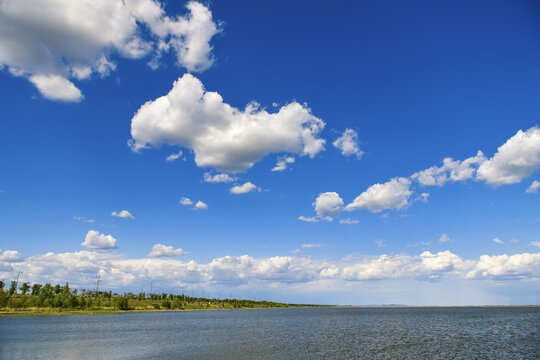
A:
139,311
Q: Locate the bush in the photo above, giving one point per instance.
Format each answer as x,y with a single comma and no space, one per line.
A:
121,303
177,304
166,304
3,298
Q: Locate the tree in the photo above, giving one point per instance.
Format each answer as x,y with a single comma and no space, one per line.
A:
3,298
24,288
165,303
2,284
57,289
47,290
35,289
13,288
65,290
121,303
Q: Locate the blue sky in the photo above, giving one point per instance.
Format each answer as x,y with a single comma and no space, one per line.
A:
90,115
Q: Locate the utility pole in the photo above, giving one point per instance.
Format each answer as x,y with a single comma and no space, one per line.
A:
17,282
151,286
97,284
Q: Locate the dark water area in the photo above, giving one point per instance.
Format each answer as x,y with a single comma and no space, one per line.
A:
331,333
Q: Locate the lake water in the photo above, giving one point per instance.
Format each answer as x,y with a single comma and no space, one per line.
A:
337,333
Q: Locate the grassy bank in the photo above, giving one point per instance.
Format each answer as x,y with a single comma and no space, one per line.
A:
61,300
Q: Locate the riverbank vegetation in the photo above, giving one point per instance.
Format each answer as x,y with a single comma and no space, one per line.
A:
48,298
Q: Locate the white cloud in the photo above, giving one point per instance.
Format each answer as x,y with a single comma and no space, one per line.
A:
515,160
426,266
201,206
423,197
348,221
380,243
533,189
221,136
445,238
451,170
186,201
56,87
97,241
124,214
348,144
81,267
174,156
160,250
10,256
308,219
506,267
498,241
311,246
218,178
535,243
296,251
243,189
328,204
282,163
51,41
393,194
82,218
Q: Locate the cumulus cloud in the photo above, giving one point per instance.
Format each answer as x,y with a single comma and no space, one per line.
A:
445,238
56,87
124,214
348,144
308,219
118,270
515,160
221,136
451,170
348,221
186,201
50,42
518,158
218,178
160,250
243,189
174,156
201,205
328,204
311,246
533,189
10,256
97,241
535,243
282,163
426,266
506,267
393,194
498,241
82,218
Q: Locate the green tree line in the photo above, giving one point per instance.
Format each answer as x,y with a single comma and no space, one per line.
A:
61,297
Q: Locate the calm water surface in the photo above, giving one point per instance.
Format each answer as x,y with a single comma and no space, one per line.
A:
373,333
